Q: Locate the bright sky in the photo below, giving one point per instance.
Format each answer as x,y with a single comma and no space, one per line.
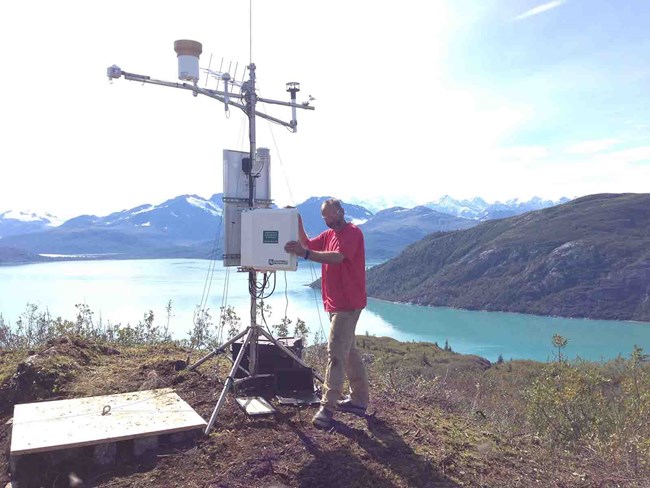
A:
414,99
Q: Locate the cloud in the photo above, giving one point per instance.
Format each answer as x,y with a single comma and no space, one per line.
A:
634,155
523,153
590,147
539,9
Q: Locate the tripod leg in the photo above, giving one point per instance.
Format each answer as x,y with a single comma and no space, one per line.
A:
241,368
289,352
216,351
229,380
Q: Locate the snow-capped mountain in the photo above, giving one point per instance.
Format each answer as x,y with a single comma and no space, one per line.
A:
191,226
185,217
382,203
479,209
14,222
185,226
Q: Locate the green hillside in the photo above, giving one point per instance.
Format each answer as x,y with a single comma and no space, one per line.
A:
587,258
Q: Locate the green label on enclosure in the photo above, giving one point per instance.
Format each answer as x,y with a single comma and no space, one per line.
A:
270,236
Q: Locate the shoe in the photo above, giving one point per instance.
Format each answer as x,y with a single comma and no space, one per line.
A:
347,406
323,418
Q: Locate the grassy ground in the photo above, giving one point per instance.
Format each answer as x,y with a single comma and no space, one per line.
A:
438,419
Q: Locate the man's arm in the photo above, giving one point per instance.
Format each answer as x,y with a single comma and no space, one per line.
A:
327,257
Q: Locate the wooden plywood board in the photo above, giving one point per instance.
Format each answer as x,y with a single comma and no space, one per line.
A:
255,406
62,424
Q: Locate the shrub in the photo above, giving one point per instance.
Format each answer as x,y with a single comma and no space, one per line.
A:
604,408
567,404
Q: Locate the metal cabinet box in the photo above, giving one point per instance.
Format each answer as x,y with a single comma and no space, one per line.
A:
264,232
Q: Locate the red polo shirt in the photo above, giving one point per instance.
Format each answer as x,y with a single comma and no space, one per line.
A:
343,285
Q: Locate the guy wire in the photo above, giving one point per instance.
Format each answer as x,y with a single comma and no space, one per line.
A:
293,203
224,301
211,268
277,150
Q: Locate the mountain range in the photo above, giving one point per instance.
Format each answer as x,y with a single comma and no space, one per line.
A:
190,226
589,257
475,208
479,209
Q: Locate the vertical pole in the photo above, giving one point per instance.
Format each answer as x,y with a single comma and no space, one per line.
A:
251,100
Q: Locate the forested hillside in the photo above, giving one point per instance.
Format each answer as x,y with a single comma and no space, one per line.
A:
586,258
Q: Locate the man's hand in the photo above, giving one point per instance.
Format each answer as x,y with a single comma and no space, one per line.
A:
294,247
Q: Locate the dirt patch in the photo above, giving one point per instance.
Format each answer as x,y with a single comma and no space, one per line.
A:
44,374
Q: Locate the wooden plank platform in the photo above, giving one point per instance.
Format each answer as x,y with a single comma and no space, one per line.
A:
63,424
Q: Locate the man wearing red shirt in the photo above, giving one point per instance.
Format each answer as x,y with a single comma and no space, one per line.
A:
340,249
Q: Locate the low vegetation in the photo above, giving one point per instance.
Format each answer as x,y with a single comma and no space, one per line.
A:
439,418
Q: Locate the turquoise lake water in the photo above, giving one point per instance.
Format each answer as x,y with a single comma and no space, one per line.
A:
123,291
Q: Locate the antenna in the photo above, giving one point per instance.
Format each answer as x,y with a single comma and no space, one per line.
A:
208,72
188,53
250,31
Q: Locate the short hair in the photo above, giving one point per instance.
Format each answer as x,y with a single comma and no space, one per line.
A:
334,202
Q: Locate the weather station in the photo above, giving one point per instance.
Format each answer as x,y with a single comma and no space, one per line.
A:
254,232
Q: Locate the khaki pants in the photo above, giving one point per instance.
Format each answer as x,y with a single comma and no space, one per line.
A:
344,359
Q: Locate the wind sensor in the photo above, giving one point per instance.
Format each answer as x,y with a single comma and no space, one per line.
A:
252,166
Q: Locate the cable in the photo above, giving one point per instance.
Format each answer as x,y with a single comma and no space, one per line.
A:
277,150
286,296
268,329
256,289
256,175
272,289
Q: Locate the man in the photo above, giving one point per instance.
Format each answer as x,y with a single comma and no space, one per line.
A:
340,249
